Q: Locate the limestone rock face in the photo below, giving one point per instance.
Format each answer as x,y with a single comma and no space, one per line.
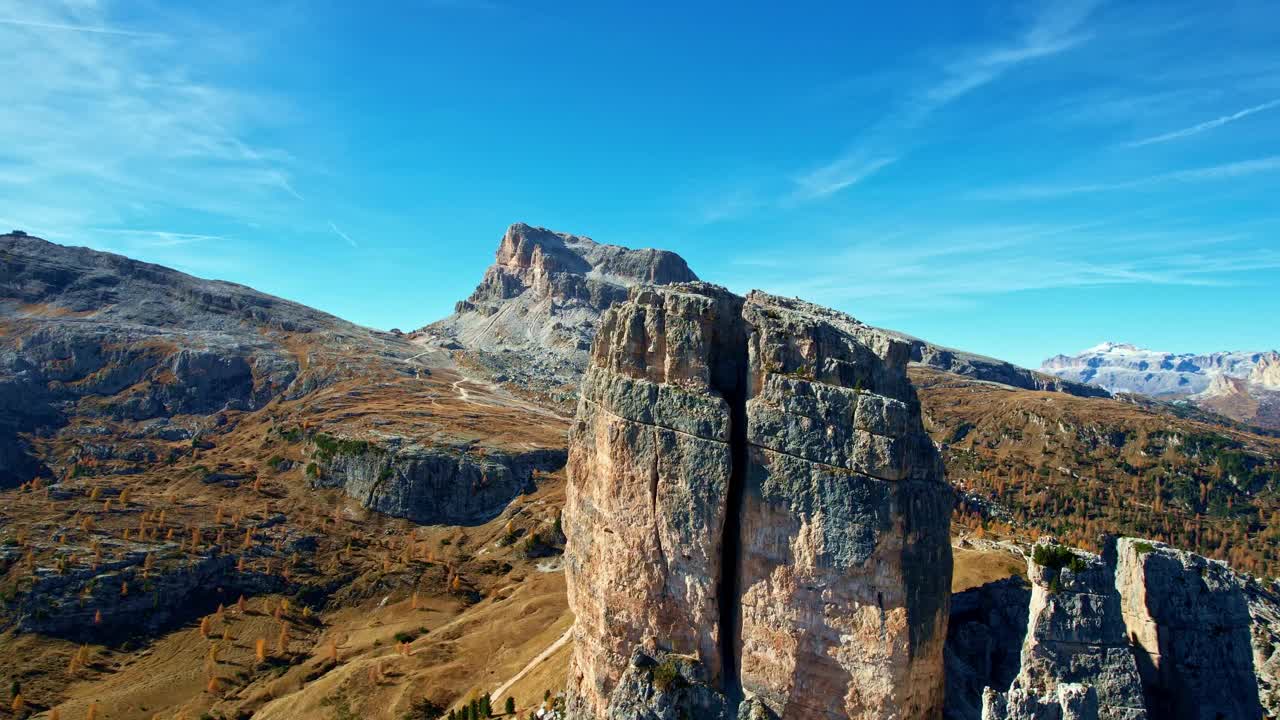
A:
1264,608
1189,621
431,484
535,312
845,561
1145,630
649,473
1075,636
750,486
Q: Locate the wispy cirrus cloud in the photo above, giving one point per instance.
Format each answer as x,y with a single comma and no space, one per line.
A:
107,125
344,236
1058,28
158,238
1205,126
731,203
79,28
924,268
839,174
1225,171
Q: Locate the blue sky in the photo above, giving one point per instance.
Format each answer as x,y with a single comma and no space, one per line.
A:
1017,179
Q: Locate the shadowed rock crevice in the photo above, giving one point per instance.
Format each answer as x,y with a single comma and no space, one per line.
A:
733,374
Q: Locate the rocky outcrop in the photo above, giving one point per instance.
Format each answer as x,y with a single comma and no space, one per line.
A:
424,483
1076,659
1145,630
845,557
650,463
667,686
147,588
566,267
750,486
1189,622
533,315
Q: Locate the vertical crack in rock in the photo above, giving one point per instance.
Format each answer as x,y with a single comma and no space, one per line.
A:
729,591
752,503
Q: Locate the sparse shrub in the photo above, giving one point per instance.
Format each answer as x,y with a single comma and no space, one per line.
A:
1055,557
666,675
327,446
424,709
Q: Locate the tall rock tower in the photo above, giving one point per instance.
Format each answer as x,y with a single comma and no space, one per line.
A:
755,516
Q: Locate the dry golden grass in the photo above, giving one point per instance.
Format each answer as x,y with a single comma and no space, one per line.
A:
976,566
469,645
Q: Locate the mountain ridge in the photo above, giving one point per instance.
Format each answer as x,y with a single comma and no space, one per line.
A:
1242,385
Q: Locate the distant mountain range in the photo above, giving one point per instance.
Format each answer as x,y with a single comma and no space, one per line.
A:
1244,386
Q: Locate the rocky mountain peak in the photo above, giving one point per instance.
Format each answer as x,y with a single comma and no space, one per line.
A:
542,297
543,251
1109,346
570,269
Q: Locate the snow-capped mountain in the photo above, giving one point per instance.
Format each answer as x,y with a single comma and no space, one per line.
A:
1242,385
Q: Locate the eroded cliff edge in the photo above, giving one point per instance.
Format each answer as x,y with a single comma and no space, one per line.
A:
755,513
